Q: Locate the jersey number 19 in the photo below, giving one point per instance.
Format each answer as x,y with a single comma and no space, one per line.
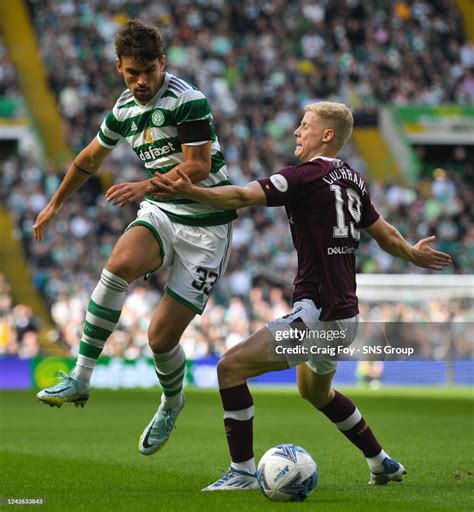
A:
354,206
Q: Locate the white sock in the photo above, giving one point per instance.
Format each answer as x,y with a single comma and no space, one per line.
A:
103,312
375,463
248,466
84,368
172,401
170,369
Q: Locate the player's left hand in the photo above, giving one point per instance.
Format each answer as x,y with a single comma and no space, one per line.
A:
427,257
166,188
125,193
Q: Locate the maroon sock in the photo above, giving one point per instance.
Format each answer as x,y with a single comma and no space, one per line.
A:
347,418
238,421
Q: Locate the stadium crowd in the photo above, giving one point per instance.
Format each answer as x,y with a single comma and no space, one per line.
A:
8,76
259,63
19,327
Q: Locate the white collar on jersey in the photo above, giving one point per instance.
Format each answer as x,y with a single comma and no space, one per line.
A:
324,158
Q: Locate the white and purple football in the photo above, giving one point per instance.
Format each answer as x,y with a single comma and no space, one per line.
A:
287,472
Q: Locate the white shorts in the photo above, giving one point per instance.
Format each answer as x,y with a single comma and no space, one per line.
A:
321,340
197,255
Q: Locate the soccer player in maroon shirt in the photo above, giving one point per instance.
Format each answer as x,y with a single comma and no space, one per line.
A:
327,203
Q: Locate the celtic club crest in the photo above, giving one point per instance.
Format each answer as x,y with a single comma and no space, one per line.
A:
157,118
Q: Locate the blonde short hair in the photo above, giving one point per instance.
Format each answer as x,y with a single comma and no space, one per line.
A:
336,116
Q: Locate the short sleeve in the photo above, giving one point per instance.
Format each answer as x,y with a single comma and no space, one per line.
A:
109,132
283,187
369,213
192,105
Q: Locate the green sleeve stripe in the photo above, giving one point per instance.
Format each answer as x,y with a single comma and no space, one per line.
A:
94,331
113,123
111,315
192,111
218,156
180,299
217,162
89,350
170,376
217,166
107,140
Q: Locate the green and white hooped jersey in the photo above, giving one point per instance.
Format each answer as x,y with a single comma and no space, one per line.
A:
151,130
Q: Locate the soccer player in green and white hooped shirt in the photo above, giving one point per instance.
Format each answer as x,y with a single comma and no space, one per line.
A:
168,123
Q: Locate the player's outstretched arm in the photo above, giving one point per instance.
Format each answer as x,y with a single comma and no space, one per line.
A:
196,165
421,254
86,163
228,197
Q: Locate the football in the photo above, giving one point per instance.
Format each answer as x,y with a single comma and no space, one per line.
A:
287,472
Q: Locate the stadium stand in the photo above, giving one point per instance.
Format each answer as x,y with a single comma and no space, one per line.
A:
19,327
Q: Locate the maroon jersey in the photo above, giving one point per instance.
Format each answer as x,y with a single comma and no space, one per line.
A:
327,203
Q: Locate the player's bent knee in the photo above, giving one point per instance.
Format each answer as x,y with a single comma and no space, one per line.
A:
303,391
227,368
315,401
317,398
122,269
321,401
224,366
163,338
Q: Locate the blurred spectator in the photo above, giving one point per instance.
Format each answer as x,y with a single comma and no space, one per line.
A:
19,327
369,374
9,86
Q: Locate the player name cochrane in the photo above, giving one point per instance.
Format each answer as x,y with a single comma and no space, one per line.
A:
341,172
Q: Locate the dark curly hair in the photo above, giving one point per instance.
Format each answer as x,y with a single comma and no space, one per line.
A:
140,41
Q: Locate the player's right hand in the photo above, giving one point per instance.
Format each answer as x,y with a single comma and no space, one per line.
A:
44,216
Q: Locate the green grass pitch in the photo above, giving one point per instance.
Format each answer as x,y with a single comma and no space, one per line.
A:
87,459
